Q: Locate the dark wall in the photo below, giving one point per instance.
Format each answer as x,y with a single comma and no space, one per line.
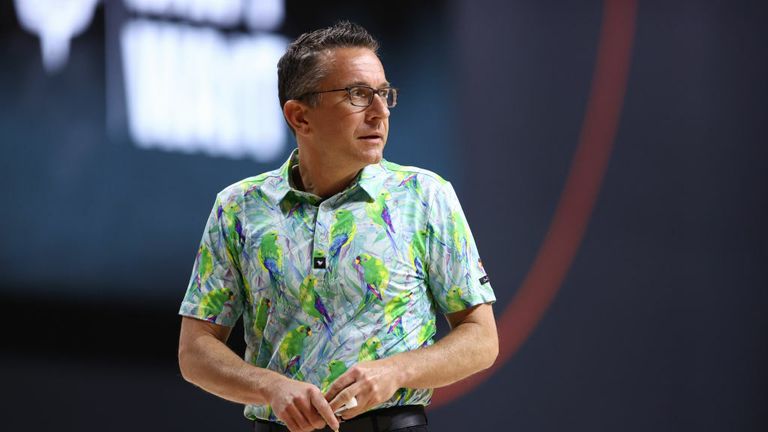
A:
659,323
610,157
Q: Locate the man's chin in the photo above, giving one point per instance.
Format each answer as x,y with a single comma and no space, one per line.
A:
373,156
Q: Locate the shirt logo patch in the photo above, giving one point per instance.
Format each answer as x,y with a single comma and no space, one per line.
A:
484,280
319,262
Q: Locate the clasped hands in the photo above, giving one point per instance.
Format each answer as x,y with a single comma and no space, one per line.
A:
303,407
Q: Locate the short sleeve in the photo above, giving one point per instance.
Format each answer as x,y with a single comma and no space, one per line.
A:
456,276
215,292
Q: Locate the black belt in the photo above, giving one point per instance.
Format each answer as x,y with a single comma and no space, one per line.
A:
380,420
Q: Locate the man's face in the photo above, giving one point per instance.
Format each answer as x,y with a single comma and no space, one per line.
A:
350,136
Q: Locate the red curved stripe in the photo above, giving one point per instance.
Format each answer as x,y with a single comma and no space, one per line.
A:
579,194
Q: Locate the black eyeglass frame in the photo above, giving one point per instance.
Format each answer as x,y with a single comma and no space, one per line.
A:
348,89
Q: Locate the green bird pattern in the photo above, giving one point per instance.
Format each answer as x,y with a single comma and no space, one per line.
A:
234,233
291,348
271,258
397,249
342,233
262,315
379,213
205,265
394,311
212,303
375,278
335,369
312,303
369,350
426,333
402,395
455,299
265,353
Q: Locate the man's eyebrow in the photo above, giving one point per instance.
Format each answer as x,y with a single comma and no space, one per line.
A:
363,83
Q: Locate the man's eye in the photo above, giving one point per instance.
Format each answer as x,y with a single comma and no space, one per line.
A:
359,92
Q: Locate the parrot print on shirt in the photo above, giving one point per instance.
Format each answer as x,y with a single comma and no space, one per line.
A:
291,349
271,258
212,304
455,299
368,350
312,304
380,215
335,369
262,314
394,311
205,265
234,232
426,333
342,233
375,278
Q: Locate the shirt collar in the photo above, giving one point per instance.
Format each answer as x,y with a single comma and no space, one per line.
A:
370,180
278,186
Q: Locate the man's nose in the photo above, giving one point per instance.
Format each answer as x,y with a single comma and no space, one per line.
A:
378,107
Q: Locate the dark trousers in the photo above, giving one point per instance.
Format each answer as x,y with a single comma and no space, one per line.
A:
410,418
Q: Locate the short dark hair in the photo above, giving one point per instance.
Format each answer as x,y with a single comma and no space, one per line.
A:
300,70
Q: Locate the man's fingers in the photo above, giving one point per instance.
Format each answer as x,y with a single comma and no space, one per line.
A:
358,406
306,406
339,400
325,411
288,420
353,412
344,397
340,384
298,418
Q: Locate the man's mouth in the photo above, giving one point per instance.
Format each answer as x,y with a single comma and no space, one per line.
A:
370,137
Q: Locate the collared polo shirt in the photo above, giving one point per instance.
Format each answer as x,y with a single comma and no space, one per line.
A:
325,284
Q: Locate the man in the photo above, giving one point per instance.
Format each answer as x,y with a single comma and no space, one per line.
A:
337,262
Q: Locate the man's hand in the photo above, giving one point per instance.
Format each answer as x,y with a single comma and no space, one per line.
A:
371,383
473,339
301,406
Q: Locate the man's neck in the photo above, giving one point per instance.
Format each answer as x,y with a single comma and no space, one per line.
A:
323,180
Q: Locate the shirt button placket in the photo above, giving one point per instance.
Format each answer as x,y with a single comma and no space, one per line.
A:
320,243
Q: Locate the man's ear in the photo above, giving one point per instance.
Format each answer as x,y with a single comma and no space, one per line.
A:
295,114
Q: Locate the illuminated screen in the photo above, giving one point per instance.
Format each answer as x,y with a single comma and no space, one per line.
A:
122,120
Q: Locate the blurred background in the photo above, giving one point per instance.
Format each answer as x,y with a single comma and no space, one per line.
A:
610,157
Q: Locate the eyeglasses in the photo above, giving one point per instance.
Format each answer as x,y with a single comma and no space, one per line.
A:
362,96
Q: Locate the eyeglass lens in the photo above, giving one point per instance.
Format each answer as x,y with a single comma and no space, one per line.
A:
363,96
